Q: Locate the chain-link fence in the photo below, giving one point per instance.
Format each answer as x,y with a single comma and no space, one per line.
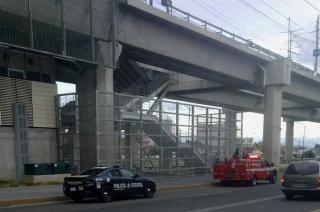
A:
68,148
154,137
67,28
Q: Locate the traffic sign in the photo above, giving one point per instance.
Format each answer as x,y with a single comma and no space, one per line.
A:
316,52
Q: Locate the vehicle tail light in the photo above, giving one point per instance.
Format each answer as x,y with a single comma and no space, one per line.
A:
282,180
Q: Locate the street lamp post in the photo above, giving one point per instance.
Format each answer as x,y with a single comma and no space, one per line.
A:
303,138
304,133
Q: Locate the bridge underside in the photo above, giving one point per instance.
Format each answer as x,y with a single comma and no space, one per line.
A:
142,51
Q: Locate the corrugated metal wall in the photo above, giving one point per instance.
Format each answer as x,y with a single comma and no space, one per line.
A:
15,91
44,104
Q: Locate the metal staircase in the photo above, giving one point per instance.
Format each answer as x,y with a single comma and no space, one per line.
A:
189,161
139,82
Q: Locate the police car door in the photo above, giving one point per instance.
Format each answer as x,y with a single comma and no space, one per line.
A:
118,182
134,183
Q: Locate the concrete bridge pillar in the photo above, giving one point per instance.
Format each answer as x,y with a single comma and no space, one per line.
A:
94,88
96,101
277,75
272,123
289,138
230,132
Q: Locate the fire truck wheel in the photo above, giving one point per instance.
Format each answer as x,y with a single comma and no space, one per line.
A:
253,181
224,182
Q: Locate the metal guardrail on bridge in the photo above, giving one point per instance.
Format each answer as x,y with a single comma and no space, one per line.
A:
296,160
227,34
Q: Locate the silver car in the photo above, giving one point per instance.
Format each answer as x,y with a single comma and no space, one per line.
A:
301,178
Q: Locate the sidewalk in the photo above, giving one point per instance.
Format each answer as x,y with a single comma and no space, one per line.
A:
36,194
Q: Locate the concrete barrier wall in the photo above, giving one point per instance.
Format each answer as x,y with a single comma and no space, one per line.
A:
42,145
7,154
42,149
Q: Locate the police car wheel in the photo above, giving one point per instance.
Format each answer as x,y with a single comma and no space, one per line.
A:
77,198
149,193
105,196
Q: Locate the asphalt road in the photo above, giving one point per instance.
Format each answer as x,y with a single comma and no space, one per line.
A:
263,197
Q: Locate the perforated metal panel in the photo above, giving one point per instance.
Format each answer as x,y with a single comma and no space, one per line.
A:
20,137
14,91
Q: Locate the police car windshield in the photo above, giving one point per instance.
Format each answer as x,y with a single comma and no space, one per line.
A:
92,172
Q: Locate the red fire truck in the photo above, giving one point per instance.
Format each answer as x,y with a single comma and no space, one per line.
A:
251,170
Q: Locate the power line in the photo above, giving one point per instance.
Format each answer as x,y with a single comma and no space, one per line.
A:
262,26
304,39
290,32
238,25
308,55
317,48
212,14
209,8
231,22
265,15
303,33
312,5
293,9
281,14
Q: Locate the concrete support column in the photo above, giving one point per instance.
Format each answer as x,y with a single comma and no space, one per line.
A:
96,114
289,139
277,76
230,132
272,123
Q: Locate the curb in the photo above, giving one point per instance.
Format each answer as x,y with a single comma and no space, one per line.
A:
185,186
6,203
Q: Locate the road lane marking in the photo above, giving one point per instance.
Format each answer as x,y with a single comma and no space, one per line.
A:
210,194
316,210
231,205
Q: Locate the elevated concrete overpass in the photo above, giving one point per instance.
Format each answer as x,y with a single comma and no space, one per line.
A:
217,70
212,68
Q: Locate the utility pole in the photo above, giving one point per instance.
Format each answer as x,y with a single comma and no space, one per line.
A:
289,39
304,134
316,52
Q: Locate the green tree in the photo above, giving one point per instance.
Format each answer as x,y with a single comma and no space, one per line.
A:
308,154
236,154
317,148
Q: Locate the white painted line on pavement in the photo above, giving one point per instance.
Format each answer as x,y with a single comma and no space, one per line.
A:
211,193
33,204
231,205
316,210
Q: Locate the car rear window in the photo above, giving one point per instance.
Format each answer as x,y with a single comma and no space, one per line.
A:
304,168
92,172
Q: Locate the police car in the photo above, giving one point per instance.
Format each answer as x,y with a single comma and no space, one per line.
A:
106,183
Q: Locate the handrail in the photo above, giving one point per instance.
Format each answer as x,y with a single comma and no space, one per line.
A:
206,24
216,29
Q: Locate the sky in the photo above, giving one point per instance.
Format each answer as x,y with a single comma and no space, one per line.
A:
266,23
